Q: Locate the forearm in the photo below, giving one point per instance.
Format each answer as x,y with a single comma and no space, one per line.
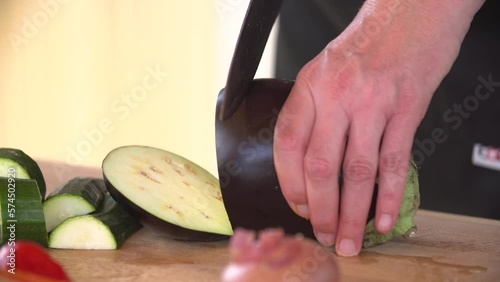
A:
409,35
424,15
412,20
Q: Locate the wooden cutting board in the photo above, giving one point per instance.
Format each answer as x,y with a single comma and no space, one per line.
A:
447,248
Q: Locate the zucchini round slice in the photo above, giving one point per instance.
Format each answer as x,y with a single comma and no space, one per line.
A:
105,229
78,196
25,166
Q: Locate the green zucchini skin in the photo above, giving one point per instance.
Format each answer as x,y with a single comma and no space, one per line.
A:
26,162
110,220
78,196
25,208
91,190
119,220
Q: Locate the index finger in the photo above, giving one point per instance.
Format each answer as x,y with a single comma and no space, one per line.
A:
291,137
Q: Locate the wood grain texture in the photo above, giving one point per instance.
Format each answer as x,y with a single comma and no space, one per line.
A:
447,248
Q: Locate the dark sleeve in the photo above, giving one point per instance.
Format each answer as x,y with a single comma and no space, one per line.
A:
306,27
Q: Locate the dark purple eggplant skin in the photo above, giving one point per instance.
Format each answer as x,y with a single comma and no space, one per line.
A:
249,183
159,226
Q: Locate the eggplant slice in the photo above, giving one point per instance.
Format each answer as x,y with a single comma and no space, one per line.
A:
173,194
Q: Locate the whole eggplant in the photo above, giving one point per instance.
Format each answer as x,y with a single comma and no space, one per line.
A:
249,184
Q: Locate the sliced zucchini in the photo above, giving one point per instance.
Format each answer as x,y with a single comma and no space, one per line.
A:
105,229
25,167
167,189
79,196
21,211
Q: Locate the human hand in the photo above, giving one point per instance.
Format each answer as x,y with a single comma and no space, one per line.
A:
356,107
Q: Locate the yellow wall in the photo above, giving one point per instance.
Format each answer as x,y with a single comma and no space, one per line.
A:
77,76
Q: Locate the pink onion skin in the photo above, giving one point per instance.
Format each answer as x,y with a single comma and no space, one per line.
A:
274,257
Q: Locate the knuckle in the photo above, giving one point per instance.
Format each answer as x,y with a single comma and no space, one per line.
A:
318,167
389,204
353,223
306,72
389,197
359,169
323,222
391,162
297,196
285,138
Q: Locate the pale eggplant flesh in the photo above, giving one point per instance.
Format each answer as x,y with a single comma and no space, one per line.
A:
169,193
161,227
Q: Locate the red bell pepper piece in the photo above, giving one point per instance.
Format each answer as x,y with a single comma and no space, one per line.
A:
29,257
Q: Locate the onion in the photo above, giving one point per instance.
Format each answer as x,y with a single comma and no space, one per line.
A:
273,257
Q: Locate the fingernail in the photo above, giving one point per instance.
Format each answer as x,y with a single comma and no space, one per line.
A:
326,239
385,223
347,248
303,210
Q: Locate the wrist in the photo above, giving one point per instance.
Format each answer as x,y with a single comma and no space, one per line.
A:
452,17
414,40
408,27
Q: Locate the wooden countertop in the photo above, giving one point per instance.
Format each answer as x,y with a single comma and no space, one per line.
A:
447,248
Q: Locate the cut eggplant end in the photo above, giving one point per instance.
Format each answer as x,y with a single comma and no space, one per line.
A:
82,232
60,207
167,186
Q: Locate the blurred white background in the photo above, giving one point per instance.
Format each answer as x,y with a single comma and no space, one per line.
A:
79,78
